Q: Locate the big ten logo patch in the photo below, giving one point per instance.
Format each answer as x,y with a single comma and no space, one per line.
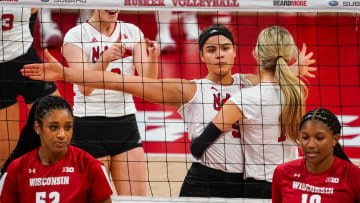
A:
67,169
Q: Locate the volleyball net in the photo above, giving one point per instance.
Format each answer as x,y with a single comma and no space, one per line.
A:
328,28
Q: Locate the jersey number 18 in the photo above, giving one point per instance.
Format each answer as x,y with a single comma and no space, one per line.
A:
313,198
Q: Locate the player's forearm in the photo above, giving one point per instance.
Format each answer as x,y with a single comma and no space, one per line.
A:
167,91
86,91
199,145
101,64
149,69
152,70
93,79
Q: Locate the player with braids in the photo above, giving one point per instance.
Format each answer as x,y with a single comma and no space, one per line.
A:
268,113
219,172
29,140
325,174
44,167
332,121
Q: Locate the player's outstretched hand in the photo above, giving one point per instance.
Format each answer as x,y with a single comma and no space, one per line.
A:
47,71
303,65
153,48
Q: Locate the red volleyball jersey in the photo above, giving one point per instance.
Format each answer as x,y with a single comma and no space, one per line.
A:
77,177
293,183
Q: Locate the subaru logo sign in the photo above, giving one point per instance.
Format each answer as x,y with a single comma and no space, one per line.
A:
44,0
333,3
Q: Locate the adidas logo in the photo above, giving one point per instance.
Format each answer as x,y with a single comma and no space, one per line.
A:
94,39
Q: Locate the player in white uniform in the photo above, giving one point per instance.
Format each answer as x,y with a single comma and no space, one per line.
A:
269,114
220,171
15,51
105,124
201,109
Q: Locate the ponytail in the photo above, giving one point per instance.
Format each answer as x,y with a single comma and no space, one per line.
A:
275,47
339,152
295,93
28,140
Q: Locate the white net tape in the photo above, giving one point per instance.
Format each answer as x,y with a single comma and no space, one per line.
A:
197,5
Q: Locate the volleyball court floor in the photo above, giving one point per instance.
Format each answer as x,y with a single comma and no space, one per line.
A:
334,39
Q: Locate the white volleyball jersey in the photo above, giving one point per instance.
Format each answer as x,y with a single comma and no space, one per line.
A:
225,153
105,102
264,148
15,35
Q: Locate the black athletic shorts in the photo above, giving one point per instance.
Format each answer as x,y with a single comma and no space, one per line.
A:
202,181
106,136
257,189
12,83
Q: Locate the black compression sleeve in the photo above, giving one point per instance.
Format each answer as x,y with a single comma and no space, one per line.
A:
207,137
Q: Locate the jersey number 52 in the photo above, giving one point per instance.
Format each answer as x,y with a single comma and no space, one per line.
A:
41,197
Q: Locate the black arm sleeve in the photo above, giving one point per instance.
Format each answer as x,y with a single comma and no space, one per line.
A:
207,137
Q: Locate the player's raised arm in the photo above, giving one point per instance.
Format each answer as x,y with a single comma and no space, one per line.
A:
302,67
172,92
146,54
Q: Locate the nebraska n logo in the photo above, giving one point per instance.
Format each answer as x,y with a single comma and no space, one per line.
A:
218,101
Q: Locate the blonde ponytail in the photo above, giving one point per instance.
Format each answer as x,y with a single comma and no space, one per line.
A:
295,93
275,47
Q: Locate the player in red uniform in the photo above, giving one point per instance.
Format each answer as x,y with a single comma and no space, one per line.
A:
325,174
45,168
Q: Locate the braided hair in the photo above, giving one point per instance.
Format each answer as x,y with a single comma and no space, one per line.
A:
328,118
29,140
